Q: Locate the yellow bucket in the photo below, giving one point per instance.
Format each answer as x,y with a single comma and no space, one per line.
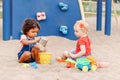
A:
45,57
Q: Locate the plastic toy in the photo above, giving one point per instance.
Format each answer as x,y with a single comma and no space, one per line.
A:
63,29
45,57
41,16
70,65
63,6
92,60
43,41
83,61
59,59
70,60
25,65
34,65
94,67
84,68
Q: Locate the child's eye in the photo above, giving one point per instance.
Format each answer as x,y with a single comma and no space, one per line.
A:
33,31
76,31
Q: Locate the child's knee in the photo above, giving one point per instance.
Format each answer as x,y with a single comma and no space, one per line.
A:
35,49
27,54
66,53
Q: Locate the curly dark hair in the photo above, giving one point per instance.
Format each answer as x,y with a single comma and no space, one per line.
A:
28,24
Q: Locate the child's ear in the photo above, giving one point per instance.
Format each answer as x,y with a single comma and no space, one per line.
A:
84,30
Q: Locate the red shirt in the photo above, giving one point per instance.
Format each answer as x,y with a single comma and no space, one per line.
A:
84,41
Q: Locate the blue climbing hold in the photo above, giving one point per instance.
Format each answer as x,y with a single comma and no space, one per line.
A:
63,29
63,6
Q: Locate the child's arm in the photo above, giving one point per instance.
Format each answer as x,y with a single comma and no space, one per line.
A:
26,42
79,54
42,48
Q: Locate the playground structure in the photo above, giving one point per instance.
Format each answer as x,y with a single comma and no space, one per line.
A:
109,5
91,8
57,14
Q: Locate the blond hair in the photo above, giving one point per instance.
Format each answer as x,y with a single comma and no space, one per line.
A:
82,25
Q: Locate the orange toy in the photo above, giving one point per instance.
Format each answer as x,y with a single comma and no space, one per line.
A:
93,60
70,65
59,59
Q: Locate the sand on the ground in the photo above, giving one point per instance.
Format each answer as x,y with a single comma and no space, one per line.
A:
104,48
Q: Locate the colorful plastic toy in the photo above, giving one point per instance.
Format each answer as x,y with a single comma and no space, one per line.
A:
84,68
59,59
45,57
70,60
70,65
92,60
25,65
34,65
94,67
83,61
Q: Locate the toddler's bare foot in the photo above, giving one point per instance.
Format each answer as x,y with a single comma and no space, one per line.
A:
60,59
102,64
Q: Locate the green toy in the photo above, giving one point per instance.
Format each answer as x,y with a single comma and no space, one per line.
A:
70,60
83,61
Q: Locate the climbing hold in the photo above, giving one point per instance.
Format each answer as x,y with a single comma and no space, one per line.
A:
41,16
63,6
63,29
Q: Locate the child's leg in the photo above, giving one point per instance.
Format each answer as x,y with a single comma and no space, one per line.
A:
35,54
63,57
24,57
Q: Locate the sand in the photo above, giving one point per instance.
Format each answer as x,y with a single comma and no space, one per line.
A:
104,48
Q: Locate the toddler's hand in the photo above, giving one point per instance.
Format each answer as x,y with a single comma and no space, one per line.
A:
72,55
42,48
37,39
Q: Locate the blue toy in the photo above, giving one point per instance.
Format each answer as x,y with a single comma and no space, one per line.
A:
83,67
63,29
34,65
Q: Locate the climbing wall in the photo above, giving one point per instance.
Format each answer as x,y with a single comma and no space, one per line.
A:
55,16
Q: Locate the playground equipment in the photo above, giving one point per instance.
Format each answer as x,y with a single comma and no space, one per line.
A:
41,16
56,14
63,6
63,29
108,5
